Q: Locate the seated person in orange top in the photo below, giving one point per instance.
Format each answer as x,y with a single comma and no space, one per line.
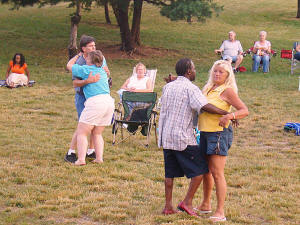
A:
15,74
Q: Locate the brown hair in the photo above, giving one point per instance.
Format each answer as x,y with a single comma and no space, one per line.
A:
96,57
84,41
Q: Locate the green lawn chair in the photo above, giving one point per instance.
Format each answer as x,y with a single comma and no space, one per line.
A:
138,114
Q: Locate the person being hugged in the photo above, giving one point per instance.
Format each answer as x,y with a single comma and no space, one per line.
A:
15,74
99,106
217,134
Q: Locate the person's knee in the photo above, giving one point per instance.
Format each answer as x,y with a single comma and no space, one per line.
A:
240,57
217,175
256,58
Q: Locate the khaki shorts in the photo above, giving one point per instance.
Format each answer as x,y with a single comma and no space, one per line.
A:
98,110
15,79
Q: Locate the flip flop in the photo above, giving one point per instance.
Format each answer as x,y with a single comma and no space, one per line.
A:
183,208
202,211
217,219
169,211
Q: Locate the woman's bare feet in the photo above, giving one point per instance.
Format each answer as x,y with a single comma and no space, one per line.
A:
97,161
79,163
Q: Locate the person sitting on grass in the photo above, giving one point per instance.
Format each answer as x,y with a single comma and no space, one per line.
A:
99,106
216,133
15,74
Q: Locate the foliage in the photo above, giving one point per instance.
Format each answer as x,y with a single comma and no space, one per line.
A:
185,9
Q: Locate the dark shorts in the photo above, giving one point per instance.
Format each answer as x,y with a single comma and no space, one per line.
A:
191,162
216,143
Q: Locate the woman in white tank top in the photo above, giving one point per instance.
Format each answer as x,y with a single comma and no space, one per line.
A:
138,82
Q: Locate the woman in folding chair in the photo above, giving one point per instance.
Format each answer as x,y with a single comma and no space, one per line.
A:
99,106
138,82
262,51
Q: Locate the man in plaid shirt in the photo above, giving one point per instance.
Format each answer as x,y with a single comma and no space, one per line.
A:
180,101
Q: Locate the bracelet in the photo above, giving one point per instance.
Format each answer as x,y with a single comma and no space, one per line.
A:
233,116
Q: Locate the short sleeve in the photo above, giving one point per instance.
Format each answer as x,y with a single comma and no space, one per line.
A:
77,71
25,66
268,44
104,62
197,99
11,63
256,45
240,47
222,46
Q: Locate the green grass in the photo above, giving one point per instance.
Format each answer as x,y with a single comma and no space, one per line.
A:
38,187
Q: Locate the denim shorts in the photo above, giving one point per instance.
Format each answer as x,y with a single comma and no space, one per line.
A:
216,143
79,103
233,58
191,162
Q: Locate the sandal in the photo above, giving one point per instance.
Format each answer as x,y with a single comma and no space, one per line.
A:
202,211
216,219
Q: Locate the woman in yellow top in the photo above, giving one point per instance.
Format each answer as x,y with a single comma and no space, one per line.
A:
216,133
16,70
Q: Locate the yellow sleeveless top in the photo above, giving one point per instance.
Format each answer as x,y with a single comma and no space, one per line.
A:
209,122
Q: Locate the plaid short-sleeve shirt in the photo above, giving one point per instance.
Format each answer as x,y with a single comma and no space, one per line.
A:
180,100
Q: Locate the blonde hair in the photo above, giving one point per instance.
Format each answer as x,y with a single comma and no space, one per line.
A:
230,80
96,57
138,65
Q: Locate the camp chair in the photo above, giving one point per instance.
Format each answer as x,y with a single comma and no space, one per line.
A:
289,54
139,114
221,54
272,54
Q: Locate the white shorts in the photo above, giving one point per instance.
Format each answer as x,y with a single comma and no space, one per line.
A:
15,79
98,110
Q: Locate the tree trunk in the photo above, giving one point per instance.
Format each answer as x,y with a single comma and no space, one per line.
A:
116,12
127,42
298,11
72,48
136,22
106,12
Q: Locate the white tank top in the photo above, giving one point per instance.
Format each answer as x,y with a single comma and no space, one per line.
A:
136,83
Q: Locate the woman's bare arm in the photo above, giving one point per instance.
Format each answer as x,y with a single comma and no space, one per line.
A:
233,99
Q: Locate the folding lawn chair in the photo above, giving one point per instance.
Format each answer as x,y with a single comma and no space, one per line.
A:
138,115
272,54
289,54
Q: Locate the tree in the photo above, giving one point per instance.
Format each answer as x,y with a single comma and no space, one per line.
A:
75,17
298,11
186,9
173,9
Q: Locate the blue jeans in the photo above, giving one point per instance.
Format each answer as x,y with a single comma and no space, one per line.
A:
256,62
79,103
297,56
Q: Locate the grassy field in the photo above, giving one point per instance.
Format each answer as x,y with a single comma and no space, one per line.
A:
38,187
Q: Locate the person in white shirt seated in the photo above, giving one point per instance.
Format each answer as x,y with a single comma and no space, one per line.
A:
232,50
138,82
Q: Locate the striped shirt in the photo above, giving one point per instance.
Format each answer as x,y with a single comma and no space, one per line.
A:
180,100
